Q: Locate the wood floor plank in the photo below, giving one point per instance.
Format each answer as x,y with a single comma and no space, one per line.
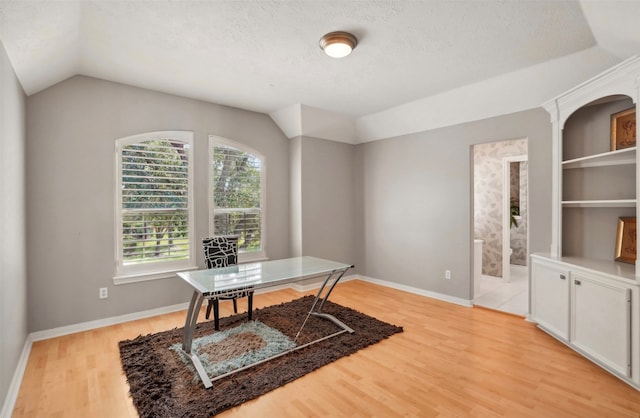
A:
449,361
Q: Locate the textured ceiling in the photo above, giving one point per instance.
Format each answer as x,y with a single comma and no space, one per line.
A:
264,56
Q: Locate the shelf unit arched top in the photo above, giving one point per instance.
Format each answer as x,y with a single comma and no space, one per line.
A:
617,81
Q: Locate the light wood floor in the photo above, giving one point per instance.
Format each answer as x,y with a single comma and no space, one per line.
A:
451,361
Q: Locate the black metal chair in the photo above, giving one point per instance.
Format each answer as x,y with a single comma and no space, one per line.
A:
222,251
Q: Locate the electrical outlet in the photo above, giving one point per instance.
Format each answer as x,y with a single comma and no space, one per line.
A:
104,293
447,274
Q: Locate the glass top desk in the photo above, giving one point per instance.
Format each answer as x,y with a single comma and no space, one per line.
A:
258,276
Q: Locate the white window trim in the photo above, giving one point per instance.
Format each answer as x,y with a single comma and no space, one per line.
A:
243,257
144,272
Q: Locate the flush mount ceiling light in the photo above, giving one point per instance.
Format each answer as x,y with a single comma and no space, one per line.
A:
338,44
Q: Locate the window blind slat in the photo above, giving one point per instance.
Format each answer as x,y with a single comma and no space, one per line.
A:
154,194
237,195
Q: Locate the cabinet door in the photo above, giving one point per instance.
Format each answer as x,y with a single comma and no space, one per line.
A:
601,322
550,298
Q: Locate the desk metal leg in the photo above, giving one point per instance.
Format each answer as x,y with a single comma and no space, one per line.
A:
187,336
326,296
194,310
322,300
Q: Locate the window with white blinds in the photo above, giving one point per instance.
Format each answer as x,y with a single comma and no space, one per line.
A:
237,196
154,203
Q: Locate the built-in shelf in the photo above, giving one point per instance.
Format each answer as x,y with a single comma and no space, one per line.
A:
619,203
625,156
579,293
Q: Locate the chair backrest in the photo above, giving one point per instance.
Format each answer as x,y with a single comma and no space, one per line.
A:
220,251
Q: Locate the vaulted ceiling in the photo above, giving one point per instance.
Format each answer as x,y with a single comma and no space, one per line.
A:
263,55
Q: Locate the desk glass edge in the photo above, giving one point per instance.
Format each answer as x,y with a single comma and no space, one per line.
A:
194,277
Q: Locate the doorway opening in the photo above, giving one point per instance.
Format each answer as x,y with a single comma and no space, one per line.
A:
500,190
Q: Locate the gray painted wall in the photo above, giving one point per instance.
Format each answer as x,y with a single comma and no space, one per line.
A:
400,209
323,202
71,129
417,200
328,201
295,166
13,265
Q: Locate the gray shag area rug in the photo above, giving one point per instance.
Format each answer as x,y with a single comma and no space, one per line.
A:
163,384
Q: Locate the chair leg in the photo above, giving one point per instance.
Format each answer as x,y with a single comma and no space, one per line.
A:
216,314
250,303
235,305
209,306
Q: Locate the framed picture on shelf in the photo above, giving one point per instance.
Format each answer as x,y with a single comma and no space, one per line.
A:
623,129
626,240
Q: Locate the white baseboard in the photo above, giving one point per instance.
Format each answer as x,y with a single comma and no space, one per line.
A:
16,381
14,387
99,323
434,295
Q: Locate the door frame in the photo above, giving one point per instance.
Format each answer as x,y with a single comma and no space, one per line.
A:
506,211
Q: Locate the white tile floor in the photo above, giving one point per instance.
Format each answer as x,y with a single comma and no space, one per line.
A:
512,297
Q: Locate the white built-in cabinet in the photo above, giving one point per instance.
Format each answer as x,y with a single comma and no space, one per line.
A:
551,286
579,293
601,314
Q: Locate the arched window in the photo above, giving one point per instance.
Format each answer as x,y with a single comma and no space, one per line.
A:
154,205
236,203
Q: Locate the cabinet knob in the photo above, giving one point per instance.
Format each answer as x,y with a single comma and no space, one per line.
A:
563,277
578,282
